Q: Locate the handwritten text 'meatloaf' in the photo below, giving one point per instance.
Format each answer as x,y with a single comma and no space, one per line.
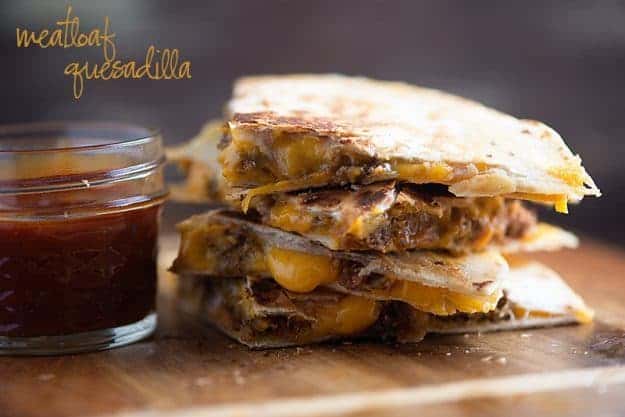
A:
159,64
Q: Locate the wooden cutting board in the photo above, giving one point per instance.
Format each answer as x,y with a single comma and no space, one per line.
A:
187,369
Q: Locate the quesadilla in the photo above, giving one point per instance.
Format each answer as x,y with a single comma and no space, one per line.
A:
361,208
261,314
223,244
297,132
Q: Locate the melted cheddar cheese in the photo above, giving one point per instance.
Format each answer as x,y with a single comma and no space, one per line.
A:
299,157
285,216
439,301
352,314
292,217
192,248
571,175
301,272
582,315
559,201
423,172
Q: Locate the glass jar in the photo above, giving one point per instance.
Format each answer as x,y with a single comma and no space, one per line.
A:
80,206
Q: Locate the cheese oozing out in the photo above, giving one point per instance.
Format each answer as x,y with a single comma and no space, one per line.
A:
351,315
300,272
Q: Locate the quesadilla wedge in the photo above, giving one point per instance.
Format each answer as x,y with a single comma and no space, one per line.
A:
296,132
391,217
387,216
223,244
371,209
261,314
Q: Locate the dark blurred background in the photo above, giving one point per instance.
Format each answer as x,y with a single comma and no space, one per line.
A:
559,62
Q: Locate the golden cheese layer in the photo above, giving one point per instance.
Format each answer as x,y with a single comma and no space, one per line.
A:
351,315
300,272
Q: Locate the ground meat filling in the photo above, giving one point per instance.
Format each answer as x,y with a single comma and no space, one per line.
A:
458,230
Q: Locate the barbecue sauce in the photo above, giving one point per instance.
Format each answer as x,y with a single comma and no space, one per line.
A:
77,274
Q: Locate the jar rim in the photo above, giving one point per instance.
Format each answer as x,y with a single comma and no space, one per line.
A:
11,130
56,156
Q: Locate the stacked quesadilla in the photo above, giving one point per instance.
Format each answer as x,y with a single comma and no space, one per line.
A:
360,208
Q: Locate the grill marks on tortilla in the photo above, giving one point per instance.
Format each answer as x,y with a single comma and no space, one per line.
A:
362,197
299,123
367,198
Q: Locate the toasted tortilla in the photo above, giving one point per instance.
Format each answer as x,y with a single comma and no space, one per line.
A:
289,132
261,314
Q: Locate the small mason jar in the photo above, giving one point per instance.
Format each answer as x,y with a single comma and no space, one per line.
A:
79,217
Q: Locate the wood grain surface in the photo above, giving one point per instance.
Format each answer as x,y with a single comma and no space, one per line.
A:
188,369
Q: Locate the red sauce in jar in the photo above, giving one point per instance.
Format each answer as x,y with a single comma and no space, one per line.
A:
77,274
